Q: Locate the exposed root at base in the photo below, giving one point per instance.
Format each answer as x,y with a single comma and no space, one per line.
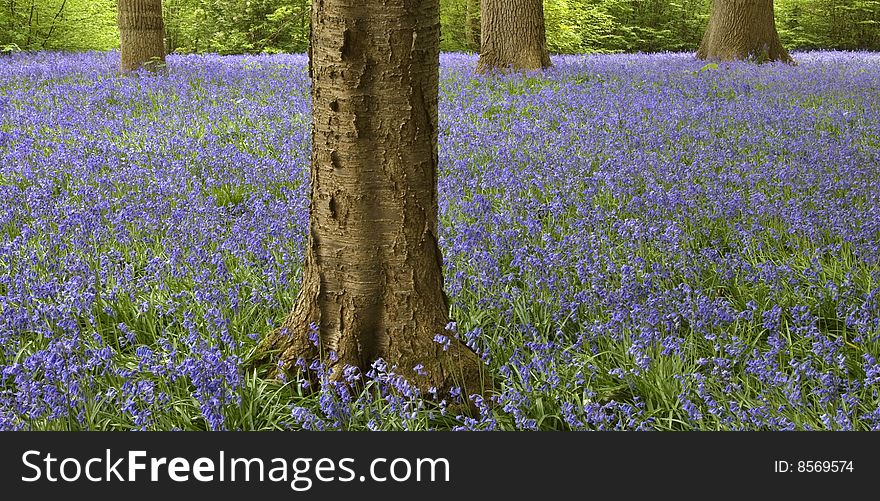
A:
453,374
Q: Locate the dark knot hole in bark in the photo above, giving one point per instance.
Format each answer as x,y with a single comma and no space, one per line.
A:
333,207
352,44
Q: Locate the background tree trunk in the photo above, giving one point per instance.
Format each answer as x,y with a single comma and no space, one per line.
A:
141,34
373,282
742,29
472,25
512,35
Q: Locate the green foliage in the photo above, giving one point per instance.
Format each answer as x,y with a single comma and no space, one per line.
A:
460,25
840,24
709,67
58,24
661,25
235,27
573,26
578,26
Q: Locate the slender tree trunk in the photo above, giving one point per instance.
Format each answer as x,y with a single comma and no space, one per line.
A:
52,27
142,34
172,16
472,25
30,25
372,280
512,35
742,29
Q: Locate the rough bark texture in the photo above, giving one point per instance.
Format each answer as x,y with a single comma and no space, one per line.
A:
742,29
141,34
373,282
512,36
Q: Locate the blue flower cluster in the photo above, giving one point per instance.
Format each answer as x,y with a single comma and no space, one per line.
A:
630,242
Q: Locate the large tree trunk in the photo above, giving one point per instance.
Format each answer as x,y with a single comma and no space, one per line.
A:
373,282
742,29
512,35
141,34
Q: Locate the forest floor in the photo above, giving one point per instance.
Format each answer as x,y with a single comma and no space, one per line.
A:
630,242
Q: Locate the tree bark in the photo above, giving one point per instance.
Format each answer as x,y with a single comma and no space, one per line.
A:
372,278
512,36
141,34
742,29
